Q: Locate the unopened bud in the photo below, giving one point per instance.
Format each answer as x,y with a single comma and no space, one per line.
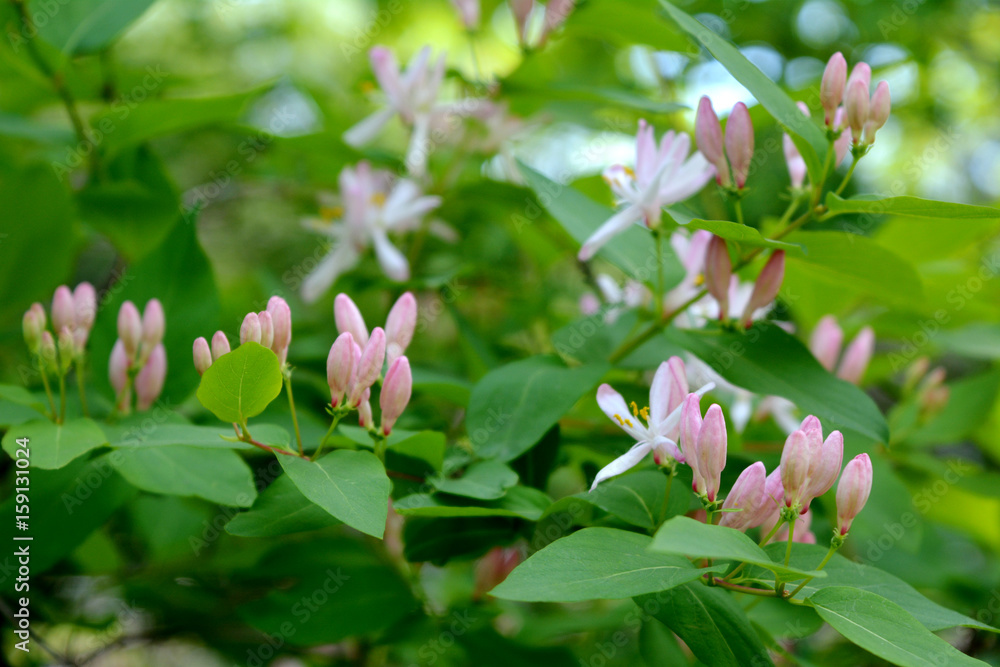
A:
878,112
739,143
63,309
202,355
118,364
747,496
853,491
468,11
765,290
690,427
395,393
831,89
718,272
862,72
365,419
348,319
856,357
399,326
266,328
708,136
250,329
220,345
369,367
712,451
149,381
340,367
153,324
129,328
84,306
281,320
826,340
857,108
843,142
32,325
521,10
67,349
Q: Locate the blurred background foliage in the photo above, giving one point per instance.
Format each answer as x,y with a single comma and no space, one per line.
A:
218,129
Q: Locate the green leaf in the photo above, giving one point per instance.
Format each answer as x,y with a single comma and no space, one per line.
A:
637,498
339,589
596,564
84,26
175,434
808,138
352,486
52,445
767,360
15,393
910,207
520,501
742,234
239,385
217,475
439,540
158,117
632,251
484,480
623,23
179,275
38,232
849,261
512,407
685,536
710,622
280,509
67,505
884,628
841,571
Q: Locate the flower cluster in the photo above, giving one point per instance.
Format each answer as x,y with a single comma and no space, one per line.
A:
732,160
356,359
555,15
271,327
138,359
676,432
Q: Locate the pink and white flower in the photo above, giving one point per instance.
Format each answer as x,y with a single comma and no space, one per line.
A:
373,207
662,176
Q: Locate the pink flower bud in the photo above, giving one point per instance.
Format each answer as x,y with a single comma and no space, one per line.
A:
129,328
747,495
153,323
765,290
266,329
774,498
718,272
678,386
825,341
202,355
825,465
793,159
853,491
795,460
250,329
468,11
861,72
340,367
47,351
556,12
220,345
856,357
32,325
395,392
857,108
365,419
369,366
708,136
831,88
349,319
63,309
84,306
739,143
493,568
521,9
281,319
399,326
690,427
711,452
149,381
934,399
878,112
843,142
118,367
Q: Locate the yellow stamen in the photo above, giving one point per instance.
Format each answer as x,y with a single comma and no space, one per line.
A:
378,199
621,422
645,413
367,86
629,422
699,280
330,212
635,409
630,172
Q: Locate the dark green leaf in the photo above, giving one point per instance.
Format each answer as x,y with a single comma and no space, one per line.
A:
520,501
217,475
280,509
485,480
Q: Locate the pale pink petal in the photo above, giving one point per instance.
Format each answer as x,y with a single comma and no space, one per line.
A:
624,462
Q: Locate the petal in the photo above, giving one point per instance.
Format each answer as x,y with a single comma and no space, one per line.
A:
417,153
367,129
393,262
343,258
624,462
616,224
614,406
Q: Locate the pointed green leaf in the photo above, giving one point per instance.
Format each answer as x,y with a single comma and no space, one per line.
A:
54,445
596,564
280,509
484,480
521,501
217,475
910,207
742,234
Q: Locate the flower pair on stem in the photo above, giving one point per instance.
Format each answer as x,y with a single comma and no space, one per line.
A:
138,359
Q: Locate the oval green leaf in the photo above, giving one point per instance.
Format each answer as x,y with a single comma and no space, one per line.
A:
239,385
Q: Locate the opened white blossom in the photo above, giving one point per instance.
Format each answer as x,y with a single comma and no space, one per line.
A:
662,176
374,205
412,94
662,418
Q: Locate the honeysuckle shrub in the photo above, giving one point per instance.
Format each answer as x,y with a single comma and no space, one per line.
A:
308,331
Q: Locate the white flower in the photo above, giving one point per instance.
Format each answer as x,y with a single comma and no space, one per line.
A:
616,298
663,416
373,206
411,94
662,176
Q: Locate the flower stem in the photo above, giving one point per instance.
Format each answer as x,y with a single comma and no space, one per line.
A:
847,177
291,405
48,388
749,590
82,388
322,443
826,559
62,398
247,438
739,211
788,548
